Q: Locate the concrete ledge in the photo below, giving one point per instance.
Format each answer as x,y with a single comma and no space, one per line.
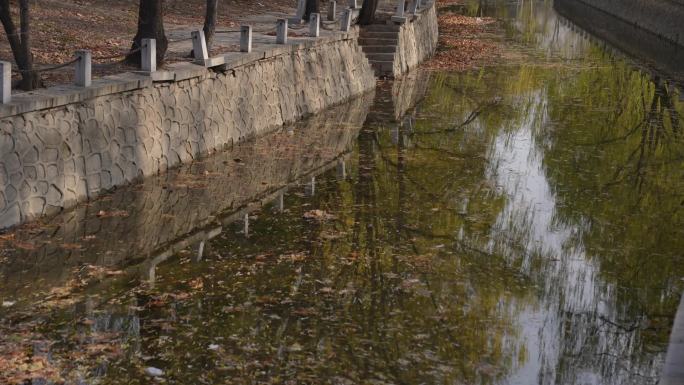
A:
162,76
66,94
184,71
214,61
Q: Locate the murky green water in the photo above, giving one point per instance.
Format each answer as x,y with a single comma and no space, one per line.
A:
519,224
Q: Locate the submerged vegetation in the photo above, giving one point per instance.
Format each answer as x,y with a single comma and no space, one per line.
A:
522,223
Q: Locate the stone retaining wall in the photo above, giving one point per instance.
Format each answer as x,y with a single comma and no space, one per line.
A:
659,57
664,18
158,212
417,40
63,145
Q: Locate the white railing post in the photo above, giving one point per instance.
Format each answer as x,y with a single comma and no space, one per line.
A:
148,62
281,202
414,7
301,10
315,25
281,31
6,82
401,8
400,16
83,68
332,10
345,23
341,169
199,47
246,38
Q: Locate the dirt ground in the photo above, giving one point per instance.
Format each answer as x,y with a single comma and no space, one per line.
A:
106,27
466,42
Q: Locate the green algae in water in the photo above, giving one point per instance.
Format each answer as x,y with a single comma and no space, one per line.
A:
520,224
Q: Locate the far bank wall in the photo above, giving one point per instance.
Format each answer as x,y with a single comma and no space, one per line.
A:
664,18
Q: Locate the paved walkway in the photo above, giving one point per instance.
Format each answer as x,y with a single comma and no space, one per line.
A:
263,30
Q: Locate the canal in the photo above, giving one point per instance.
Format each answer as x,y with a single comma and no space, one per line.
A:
514,224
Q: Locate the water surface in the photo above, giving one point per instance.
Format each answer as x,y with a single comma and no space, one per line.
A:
510,225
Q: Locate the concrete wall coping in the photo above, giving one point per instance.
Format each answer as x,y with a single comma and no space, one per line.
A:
61,95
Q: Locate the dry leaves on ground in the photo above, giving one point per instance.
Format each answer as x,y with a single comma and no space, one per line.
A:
465,42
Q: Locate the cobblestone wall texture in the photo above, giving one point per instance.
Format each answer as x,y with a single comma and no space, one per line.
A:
417,40
152,214
53,158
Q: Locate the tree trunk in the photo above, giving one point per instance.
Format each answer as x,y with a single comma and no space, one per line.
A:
150,26
20,42
210,21
368,9
312,6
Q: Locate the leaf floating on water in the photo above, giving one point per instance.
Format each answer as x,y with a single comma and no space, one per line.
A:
87,321
196,283
294,257
331,236
318,215
71,246
25,246
295,347
305,311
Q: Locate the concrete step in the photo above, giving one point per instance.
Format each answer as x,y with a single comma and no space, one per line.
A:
385,42
382,67
379,35
379,48
380,57
381,28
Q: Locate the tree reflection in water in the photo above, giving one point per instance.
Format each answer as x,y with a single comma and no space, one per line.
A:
521,224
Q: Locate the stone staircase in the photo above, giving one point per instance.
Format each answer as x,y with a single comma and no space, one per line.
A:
379,43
